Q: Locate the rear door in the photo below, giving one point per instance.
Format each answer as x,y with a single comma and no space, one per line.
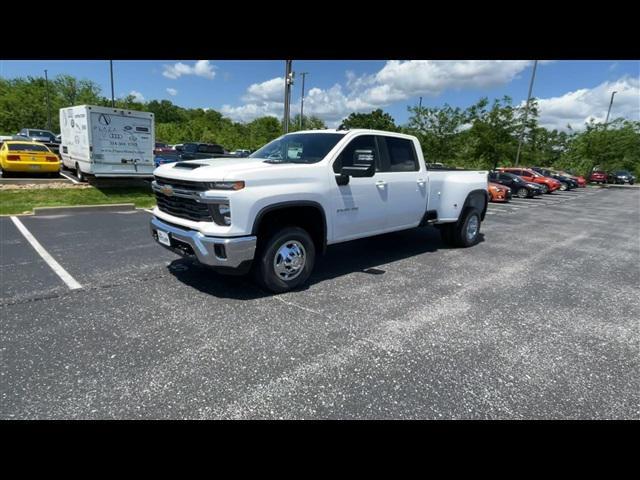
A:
121,143
403,181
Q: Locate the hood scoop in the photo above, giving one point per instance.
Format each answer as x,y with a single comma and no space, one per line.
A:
189,166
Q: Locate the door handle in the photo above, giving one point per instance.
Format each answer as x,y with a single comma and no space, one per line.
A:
381,184
421,181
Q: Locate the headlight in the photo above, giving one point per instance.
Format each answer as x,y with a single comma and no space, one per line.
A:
226,185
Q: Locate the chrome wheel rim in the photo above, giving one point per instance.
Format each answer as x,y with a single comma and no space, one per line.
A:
472,228
522,193
289,260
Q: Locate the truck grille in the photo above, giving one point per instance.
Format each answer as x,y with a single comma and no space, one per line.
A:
182,207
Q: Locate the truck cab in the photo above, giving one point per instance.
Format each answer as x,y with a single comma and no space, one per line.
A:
271,212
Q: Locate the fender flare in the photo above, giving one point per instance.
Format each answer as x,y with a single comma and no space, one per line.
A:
288,204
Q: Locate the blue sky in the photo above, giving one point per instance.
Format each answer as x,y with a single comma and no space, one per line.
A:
569,91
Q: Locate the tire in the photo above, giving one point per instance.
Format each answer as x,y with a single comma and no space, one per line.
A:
81,176
280,256
545,189
522,193
458,234
563,186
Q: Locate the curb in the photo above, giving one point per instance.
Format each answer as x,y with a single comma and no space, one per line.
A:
115,207
34,181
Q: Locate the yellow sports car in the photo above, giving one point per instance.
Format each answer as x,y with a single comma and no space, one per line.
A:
32,157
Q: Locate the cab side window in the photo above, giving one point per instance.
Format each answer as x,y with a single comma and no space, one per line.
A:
363,142
400,154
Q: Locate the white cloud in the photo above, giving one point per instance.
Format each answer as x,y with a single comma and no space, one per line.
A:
202,68
268,91
579,106
396,81
172,91
138,97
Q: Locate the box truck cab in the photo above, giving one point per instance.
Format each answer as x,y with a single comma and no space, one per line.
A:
107,142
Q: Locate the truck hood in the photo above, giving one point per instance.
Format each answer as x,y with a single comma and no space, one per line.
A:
226,169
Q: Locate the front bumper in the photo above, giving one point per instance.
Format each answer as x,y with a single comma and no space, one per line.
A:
211,251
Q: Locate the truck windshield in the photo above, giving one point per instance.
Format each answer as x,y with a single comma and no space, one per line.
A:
298,148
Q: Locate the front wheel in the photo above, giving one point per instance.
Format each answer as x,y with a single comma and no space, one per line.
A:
286,260
563,186
522,193
545,189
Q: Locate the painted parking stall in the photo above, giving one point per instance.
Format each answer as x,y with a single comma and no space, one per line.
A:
102,247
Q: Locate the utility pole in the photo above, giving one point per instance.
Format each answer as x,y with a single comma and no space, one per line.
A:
526,111
420,103
113,103
608,111
288,81
46,83
304,74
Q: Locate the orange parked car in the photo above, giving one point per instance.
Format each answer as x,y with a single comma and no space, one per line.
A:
499,193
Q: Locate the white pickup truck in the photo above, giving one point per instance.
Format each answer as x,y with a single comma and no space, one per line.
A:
273,212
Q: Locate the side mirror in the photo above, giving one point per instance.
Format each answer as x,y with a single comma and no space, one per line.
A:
364,165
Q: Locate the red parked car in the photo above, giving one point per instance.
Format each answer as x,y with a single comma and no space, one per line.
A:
161,147
547,183
598,176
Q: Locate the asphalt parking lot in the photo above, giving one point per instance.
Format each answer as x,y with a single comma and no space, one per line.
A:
539,320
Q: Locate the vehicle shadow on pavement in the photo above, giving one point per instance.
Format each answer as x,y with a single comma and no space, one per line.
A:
367,254
363,255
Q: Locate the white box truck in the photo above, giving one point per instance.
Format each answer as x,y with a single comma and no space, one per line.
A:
107,142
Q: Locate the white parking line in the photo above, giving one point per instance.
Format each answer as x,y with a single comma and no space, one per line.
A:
503,205
70,178
55,266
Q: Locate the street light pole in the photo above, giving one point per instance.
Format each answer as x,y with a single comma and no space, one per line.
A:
609,111
304,74
288,80
526,111
46,83
113,103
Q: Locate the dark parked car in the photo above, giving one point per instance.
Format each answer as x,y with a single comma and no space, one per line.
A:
519,188
192,151
41,136
566,182
621,176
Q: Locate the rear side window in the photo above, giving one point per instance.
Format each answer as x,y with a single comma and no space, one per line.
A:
363,142
210,149
26,147
399,154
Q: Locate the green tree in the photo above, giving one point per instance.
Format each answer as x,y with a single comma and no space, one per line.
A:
309,123
438,131
376,120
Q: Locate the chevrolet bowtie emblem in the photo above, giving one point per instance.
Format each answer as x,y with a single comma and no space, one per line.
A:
167,190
